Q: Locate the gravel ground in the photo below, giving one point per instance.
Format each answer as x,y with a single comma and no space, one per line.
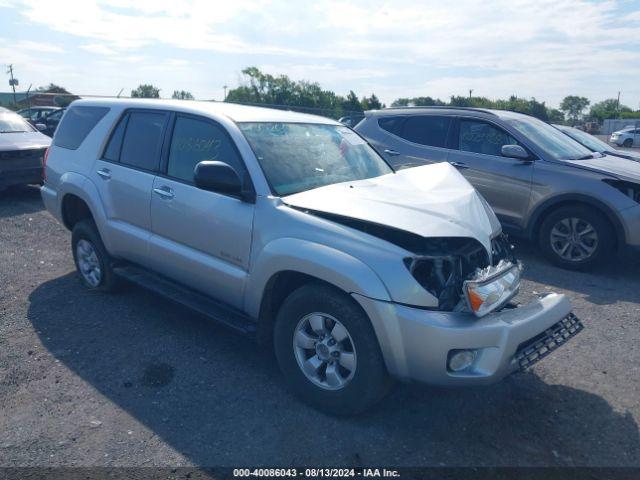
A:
90,379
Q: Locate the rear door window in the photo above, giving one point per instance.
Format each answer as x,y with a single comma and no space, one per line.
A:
428,130
112,152
482,137
196,140
77,124
142,140
391,124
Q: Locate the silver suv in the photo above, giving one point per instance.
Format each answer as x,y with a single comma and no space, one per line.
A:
577,204
292,229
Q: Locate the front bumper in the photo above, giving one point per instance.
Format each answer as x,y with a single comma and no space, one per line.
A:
416,343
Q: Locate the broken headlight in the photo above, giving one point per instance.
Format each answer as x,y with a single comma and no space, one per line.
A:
443,264
492,287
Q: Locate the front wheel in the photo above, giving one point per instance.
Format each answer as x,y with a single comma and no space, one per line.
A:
628,143
576,237
328,351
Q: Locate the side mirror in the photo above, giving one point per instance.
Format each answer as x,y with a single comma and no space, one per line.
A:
514,151
41,127
217,177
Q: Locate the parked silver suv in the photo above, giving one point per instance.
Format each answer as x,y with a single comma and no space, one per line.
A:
291,228
577,204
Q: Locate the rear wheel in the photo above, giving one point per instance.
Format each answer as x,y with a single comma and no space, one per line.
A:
628,143
576,237
91,258
328,352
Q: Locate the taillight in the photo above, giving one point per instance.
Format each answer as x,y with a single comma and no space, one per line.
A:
44,163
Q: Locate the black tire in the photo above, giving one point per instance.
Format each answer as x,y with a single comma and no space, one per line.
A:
370,380
86,230
628,143
602,227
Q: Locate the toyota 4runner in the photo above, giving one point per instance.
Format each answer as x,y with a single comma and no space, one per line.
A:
292,229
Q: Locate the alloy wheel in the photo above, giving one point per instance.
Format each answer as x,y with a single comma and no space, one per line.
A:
574,239
88,263
325,351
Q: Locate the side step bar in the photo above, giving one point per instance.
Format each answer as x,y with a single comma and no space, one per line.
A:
195,301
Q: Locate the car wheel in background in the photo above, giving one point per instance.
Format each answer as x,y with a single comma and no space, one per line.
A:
576,237
628,143
91,258
328,351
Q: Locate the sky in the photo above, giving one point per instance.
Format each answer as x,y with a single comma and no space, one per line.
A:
540,48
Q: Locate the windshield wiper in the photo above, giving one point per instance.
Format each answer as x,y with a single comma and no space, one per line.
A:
13,131
586,157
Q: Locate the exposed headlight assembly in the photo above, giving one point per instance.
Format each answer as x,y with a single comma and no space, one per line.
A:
630,189
492,287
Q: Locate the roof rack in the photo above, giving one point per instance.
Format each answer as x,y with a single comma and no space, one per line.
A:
441,107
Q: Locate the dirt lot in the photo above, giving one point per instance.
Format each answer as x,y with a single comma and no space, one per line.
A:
132,380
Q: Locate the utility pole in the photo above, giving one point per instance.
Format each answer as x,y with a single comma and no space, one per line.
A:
13,82
470,92
618,106
225,93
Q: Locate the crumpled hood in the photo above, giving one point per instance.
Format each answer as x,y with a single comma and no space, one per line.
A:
612,165
431,201
23,141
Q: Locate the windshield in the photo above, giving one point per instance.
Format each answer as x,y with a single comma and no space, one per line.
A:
300,156
12,122
558,145
589,141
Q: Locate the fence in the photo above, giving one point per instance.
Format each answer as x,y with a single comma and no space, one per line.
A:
611,125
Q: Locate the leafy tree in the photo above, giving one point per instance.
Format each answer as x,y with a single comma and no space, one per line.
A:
371,103
65,98
351,103
629,114
146,91
417,102
555,115
182,95
607,109
573,106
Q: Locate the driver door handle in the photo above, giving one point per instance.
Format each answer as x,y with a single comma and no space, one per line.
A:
393,153
164,192
459,165
104,173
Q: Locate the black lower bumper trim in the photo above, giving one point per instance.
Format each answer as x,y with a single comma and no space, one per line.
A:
538,347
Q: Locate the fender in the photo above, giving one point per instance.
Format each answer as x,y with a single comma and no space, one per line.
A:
320,261
608,212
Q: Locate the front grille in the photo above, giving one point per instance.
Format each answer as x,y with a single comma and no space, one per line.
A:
538,347
22,154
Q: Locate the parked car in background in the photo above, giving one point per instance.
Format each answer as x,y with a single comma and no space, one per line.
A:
577,204
290,227
35,114
49,124
351,120
595,144
627,137
22,149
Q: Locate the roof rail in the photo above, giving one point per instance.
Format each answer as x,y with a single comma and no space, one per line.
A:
441,107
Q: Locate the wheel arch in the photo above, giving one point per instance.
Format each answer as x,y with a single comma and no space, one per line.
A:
540,213
286,264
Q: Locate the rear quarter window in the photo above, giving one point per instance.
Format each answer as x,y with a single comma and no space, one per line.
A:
76,125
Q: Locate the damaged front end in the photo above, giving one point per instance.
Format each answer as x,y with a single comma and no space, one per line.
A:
448,267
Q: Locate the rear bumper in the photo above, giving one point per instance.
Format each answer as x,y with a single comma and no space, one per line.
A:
416,343
19,176
50,200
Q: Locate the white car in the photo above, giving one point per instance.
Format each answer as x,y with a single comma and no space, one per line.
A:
628,137
292,229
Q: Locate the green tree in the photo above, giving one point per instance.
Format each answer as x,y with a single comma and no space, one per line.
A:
146,91
573,106
351,104
182,95
371,103
608,108
555,115
63,98
417,102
